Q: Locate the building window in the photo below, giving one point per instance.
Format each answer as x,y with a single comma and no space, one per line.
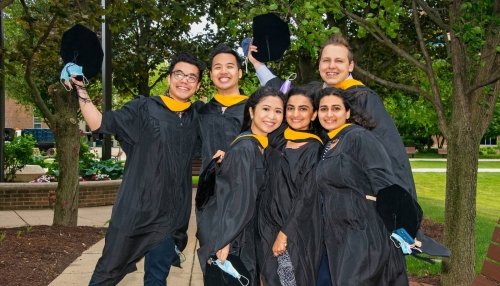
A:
37,122
491,141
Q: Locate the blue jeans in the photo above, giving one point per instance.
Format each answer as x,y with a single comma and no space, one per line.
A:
157,262
324,277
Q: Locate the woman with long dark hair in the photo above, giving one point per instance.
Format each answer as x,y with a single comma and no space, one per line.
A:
229,217
289,211
353,170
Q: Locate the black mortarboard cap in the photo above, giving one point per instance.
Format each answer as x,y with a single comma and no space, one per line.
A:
206,184
432,247
399,209
81,46
271,36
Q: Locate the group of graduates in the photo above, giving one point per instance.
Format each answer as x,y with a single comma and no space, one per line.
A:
296,176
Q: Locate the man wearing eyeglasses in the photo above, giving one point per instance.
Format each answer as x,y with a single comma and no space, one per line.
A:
153,205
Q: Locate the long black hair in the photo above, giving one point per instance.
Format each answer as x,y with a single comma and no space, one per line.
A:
357,116
254,99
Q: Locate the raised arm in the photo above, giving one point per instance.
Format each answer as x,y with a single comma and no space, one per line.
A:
263,73
90,113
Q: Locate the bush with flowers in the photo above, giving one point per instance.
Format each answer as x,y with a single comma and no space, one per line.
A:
91,168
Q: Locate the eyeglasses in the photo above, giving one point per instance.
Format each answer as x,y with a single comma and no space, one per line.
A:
179,75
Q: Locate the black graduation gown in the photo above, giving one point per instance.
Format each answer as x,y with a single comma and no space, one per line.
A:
154,199
219,129
386,131
357,242
230,215
291,204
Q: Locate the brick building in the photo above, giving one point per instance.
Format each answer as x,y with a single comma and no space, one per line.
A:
18,116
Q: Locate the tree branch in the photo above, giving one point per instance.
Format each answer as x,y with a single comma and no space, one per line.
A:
412,89
160,78
403,87
494,77
5,3
380,36
488,71
35,93
45,34
431,76
433,14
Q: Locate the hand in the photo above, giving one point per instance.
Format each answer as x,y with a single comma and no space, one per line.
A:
77,83
223,253
279,246
68,85
256,63
219,154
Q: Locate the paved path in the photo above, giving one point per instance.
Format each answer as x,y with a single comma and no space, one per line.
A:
80,271
443,170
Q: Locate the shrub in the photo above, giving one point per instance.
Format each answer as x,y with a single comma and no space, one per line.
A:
17,154
96,169
487,151
91,168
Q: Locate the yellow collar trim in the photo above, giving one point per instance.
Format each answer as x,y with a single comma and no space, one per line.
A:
174,105
292,135
336,131
347,83
229,100
263,140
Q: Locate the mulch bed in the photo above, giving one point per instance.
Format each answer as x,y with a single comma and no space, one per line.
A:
37,255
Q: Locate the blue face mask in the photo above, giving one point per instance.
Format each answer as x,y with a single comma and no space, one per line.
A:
72,69
229,269
399,242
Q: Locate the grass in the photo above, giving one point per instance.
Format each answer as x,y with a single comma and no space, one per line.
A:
195,180
431,194
442,164
433,154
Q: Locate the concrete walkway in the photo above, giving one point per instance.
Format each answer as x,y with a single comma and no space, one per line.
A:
80,271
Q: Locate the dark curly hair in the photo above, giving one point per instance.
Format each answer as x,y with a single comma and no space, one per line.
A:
357,116
187,58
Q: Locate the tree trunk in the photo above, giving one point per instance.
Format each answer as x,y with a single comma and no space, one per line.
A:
306,68
67,135
460,208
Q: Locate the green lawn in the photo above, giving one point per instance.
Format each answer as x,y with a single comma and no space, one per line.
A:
442,164
431,192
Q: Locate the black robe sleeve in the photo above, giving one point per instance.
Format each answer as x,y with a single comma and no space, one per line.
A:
124,123
237,191
387,133
373,158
